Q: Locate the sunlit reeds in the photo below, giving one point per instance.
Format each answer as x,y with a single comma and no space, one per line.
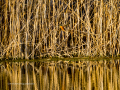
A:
31,28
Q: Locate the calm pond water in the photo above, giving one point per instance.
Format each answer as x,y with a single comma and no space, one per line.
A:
60,75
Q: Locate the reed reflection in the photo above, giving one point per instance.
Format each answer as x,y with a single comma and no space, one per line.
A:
60,75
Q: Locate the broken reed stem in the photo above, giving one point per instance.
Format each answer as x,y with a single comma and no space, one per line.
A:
31,29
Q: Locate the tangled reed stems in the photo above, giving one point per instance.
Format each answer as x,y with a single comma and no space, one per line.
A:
31,28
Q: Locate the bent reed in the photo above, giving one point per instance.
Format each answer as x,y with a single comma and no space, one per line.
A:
31,28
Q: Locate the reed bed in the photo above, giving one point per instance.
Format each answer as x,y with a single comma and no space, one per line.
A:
31,28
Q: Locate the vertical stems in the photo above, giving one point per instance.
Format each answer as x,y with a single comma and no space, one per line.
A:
18,28
72,25
13,29
104,28
78,29
27,29
81,37
33,42
101,8
37,21
54,32
40,26
110,32
119,36
88,27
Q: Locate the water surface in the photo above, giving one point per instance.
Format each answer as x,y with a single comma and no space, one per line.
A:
60,75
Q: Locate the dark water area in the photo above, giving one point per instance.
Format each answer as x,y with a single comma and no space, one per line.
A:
60,75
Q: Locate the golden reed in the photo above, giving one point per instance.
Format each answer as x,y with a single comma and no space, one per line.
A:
32,28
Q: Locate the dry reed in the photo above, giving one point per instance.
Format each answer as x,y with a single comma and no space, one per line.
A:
31,28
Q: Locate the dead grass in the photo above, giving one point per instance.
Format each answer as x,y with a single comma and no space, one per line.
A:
31,28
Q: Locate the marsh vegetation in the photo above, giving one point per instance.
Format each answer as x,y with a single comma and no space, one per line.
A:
31,28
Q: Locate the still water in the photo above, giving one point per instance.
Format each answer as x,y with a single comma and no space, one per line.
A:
60,75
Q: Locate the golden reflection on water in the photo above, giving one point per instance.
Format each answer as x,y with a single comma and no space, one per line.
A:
60,75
